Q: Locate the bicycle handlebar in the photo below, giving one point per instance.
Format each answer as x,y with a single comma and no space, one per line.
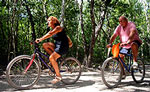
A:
34,44
121,44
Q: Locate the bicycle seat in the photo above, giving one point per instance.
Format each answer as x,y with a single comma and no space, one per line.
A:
124,51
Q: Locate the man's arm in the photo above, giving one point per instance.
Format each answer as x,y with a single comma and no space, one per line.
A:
111,40
131,35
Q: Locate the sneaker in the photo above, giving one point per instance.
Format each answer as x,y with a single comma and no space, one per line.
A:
135,65
57,79
123,76
51,73
127,73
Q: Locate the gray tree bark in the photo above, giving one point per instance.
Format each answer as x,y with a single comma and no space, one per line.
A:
62,13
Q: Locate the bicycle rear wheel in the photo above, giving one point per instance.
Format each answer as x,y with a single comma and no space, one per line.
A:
15,72
138,74
70,69
111,72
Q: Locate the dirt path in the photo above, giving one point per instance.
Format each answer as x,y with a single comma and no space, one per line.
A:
90,81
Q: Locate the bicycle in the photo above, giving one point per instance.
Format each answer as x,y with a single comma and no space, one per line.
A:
23,72
112,69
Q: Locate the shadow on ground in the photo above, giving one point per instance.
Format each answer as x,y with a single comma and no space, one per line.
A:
130,86
88,78
44,82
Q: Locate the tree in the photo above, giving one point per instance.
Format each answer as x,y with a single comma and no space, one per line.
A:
62,13
96,27
31,20
13,33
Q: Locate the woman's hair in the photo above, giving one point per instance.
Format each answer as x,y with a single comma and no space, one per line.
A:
57,23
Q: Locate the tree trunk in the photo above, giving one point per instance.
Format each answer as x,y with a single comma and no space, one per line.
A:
45,13
95,30
147,22
12,41
8,23
82,32
62,13
93,35
44,9
2,31
31,20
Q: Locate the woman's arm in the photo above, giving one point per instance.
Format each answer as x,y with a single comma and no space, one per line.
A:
51,33
69,41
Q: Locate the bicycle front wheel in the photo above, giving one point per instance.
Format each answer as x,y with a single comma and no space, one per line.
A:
70,69
16,75
111,72
138,73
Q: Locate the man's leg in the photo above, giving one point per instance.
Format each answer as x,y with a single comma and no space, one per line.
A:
134,48
122,57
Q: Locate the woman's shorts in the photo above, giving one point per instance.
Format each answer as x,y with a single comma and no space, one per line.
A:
61,47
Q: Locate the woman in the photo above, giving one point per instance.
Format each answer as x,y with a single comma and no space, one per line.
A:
57,49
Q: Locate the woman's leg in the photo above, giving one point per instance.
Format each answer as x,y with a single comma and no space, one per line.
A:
49,47
54,56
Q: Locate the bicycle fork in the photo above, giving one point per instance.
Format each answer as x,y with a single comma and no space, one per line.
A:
30,63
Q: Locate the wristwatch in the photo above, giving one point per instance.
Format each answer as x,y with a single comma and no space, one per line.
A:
128,42
110,44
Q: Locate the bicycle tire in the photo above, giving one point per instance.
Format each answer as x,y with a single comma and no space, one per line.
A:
15,72
111,72
138,74
70,69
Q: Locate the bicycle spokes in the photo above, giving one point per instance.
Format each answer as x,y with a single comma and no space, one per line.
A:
70,70
16,75
138,73
111,72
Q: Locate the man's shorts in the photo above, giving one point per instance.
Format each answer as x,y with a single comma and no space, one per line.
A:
127,51
137,42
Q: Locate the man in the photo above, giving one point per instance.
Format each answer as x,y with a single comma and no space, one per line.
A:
129,38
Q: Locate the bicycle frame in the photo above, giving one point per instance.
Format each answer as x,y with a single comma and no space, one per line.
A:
38,53
130,61
23,72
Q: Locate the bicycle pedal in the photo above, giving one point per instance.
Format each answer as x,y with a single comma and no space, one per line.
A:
127,73
135,70
51,73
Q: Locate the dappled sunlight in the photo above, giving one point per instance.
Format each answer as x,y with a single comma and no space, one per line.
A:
89,80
